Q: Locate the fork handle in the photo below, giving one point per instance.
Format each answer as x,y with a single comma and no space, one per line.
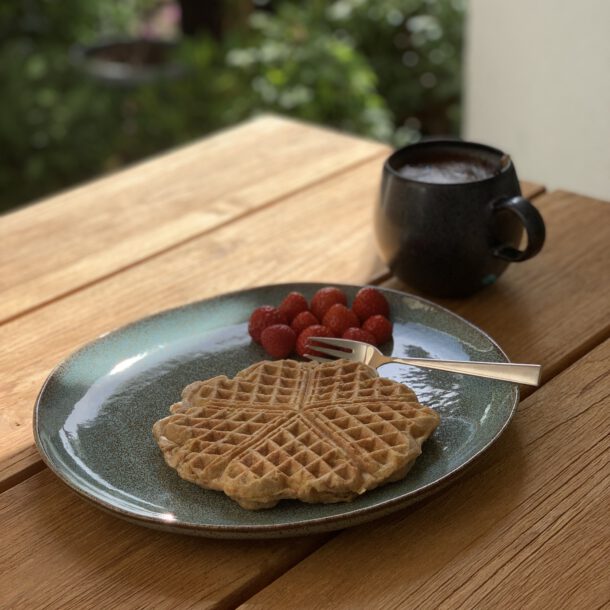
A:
528,374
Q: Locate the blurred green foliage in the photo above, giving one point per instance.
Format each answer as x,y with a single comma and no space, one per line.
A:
296,65
389,70
414,47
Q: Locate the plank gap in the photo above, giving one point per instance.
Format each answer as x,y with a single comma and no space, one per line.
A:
264,579
29,470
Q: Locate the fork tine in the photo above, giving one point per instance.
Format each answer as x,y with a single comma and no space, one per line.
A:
319,358
332,352
346,344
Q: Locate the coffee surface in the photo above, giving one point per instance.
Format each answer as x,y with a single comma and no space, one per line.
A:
447,170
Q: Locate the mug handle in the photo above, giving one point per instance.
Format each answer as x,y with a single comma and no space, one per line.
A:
531,220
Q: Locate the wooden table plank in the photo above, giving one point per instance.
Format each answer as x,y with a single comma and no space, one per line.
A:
315,227
94,560
75,238
217,262
531,190
528,527
556,307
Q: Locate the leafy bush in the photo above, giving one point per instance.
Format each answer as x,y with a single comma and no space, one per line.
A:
414,47
408,52
56,126
387,70
296,65
52,125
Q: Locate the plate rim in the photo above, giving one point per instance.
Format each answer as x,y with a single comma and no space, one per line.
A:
309,526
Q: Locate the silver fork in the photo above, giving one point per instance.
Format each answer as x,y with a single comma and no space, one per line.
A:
357,351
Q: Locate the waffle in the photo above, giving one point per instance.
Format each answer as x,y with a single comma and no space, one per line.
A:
286,429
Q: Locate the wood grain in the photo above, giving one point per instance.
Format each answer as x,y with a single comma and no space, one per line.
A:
527,528
554,308
296,249
528,522
93,560
54,247
279,243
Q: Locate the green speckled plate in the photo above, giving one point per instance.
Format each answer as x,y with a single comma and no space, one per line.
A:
94,415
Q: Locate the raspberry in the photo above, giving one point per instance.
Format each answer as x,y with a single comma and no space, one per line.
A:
264,316
278,340
359,334
302,321
380,327
339,318
370,302
292,305
324,299
312,331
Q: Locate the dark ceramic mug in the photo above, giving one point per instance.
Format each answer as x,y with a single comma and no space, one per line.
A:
453,237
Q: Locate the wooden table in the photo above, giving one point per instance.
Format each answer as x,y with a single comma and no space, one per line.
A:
278,201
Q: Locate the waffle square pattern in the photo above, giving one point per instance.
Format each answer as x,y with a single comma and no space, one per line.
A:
300,430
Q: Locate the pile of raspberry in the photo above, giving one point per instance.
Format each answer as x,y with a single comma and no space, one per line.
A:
285,329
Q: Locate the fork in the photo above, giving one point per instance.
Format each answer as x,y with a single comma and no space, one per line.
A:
357,351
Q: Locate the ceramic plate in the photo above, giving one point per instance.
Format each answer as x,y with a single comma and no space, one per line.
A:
94,415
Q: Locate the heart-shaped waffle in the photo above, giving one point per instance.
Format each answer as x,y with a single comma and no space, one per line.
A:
286,429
